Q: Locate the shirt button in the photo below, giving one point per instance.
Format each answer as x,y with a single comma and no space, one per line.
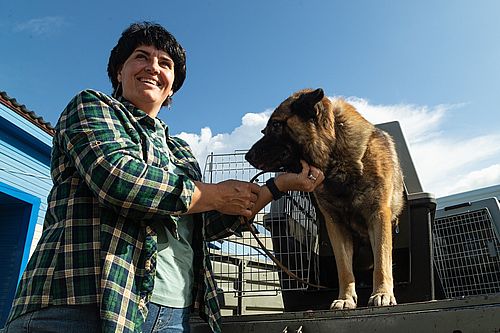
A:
142,304
147,266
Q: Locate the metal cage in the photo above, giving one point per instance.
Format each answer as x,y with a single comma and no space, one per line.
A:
286,227
466,242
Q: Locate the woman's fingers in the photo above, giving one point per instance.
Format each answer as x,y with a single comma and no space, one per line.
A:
305,168
316,175
237,197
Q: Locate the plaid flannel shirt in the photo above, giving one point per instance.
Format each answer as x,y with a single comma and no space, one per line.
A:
111,181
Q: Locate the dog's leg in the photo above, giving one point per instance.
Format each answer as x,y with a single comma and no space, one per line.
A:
342,245
380,233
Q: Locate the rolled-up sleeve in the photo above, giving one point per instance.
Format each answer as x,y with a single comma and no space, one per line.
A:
218,226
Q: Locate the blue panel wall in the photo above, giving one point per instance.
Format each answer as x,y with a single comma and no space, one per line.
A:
18,217
24,185
25,158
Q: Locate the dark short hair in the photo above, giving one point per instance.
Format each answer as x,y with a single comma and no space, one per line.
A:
148,34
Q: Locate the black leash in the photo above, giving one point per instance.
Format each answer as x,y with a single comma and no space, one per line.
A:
269,254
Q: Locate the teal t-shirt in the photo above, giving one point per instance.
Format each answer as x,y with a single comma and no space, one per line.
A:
174,267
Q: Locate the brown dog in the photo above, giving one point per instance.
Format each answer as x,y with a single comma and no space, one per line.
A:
362,194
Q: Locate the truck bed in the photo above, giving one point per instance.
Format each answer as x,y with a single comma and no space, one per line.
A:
479,314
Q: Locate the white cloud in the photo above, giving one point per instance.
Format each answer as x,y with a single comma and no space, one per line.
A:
240,138
445,164
449,165
420,123
40,26
475,179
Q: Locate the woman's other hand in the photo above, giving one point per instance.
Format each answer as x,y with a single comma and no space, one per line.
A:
307,180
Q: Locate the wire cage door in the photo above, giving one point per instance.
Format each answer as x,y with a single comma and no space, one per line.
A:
286,227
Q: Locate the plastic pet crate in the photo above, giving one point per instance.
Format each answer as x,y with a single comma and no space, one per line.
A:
466,243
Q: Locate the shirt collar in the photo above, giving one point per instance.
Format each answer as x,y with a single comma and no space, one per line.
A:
136,112
141,115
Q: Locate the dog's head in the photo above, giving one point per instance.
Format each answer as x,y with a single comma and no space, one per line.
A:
289,133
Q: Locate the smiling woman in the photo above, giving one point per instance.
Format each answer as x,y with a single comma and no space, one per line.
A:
148,42
128,210
146,78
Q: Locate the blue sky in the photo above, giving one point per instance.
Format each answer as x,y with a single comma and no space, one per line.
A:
432,65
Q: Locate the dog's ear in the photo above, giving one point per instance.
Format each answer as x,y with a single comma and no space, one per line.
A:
304,104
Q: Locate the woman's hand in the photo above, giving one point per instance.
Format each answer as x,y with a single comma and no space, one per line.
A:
231,197
307,181
236,197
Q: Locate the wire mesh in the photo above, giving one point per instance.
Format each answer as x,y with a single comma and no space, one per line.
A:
286,227
467,253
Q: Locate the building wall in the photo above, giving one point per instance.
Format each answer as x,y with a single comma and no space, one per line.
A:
25,182
25,160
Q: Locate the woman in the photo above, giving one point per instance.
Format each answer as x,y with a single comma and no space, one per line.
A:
128,211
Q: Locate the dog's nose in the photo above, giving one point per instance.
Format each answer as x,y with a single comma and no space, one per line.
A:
252,155
248,155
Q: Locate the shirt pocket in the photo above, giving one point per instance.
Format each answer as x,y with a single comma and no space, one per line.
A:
153,154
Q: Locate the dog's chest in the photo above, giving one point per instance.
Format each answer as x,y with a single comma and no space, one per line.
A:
337,197
342,203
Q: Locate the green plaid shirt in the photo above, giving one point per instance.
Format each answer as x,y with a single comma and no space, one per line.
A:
111,182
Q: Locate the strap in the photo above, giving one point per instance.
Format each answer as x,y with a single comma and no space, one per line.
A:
285,269
271,185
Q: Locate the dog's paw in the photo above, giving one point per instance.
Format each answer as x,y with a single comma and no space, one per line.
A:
342,304
382,299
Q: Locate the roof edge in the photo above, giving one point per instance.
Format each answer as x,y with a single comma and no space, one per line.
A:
27,114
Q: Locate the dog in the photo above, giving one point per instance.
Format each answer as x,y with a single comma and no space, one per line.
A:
363,191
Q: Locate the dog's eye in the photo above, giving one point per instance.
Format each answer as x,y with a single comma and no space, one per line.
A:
276,124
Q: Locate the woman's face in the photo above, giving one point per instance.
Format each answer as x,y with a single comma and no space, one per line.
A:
146,78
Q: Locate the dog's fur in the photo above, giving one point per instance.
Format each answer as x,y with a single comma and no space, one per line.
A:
362,194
